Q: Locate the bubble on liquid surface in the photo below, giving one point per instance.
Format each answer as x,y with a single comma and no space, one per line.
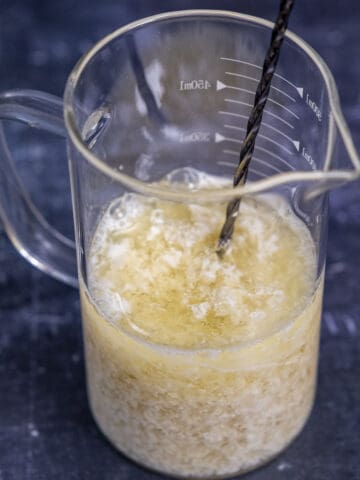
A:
194,179
143,167
157,216
126,211
186,176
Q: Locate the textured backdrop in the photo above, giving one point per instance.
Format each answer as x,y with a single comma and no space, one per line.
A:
46,431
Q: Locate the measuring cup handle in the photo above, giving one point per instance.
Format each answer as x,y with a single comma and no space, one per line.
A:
42,245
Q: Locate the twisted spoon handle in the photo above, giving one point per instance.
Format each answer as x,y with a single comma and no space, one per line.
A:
254,121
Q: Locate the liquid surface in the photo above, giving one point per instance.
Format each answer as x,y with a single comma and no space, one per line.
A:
153,273
154,270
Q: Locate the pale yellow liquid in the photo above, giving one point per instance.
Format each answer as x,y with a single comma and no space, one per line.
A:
196,366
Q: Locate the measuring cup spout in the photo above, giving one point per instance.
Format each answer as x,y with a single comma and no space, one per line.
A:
342,163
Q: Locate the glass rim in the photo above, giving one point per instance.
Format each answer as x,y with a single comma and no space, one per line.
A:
225,193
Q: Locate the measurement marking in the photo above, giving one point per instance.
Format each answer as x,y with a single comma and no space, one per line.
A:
241,89
233,165
267,164
308,157
221,138
221,86
265,150
257,80
296,143
331,324
257,159
240,115
285,108
257,172
194,137
243,76
265,111
241,61
231,152
314,107
241,129
350,325
194,85
298,89
229,164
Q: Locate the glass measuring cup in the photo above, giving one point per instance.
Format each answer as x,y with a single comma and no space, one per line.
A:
125,133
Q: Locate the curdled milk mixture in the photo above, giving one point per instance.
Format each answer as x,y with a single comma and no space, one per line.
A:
198,366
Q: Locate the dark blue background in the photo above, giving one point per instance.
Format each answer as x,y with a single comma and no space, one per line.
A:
46,431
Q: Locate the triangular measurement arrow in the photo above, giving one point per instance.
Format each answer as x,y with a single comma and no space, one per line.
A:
300,91
296,145
220,85
219,137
